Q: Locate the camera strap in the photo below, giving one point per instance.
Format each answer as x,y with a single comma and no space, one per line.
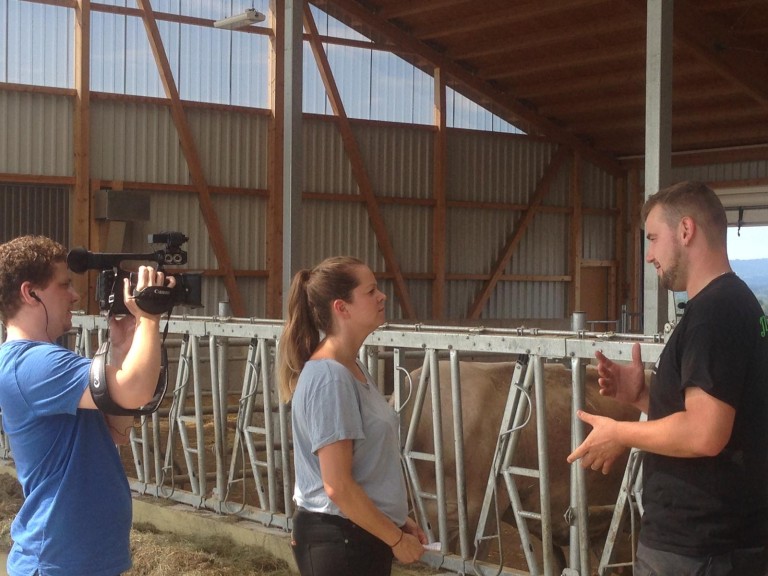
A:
97,382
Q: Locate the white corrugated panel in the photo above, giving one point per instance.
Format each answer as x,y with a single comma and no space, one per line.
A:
141,75
544,247
249,71
495,167
330,26
475,239
108,52
40,41
421,299
243,221
722,172
232,147
335,229
36,134
201,75
352,72
313,94
511,300
400,92
598,187
326,167
598,233
410,234
137,142
399,159
528,300
461,112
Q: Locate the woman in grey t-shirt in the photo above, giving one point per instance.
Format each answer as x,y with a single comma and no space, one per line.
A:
352,511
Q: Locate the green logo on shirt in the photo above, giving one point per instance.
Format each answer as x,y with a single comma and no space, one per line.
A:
764,326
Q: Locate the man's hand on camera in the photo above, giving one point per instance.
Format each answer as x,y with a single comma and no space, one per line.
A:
145,277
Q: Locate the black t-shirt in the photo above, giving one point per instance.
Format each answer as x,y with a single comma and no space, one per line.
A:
701,506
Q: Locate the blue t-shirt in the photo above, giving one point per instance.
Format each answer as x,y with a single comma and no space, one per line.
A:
76,516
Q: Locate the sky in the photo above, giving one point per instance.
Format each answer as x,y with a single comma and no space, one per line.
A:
751,245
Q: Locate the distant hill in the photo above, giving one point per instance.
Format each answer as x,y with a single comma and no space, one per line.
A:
755,274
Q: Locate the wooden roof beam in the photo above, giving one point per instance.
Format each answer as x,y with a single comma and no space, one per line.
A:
708,39
490,45
513,110
502,17
393,10
590,60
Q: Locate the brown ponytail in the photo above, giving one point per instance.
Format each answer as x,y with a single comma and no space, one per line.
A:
309,313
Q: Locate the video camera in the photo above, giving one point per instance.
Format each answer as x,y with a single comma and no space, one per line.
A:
153,299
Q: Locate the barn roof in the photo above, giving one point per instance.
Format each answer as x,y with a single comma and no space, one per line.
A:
574,70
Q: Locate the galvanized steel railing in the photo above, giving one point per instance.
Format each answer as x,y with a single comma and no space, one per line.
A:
221,440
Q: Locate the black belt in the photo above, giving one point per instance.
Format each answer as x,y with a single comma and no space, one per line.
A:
334,519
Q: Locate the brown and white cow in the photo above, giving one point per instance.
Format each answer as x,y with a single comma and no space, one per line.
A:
484,389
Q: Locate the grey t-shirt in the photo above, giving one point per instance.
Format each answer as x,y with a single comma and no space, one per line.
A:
329,405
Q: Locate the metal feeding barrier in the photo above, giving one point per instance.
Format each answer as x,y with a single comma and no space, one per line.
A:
221,439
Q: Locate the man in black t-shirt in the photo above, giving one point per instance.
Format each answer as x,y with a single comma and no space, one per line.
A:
705,474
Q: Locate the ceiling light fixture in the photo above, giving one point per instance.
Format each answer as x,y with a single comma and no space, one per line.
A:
250,16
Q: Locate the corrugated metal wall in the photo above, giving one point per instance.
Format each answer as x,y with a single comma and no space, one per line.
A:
34,209
505,168
722,172
137,142
36,134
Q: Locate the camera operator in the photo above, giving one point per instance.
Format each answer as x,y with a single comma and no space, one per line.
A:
76,517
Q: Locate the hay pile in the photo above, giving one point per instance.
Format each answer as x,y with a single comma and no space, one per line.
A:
159,554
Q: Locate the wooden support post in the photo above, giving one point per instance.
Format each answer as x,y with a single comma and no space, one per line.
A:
577,235
276,158
81,205
439,221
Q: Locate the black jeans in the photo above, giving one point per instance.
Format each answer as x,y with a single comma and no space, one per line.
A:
329,545
747,562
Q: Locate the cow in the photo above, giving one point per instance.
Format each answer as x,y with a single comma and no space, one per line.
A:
484,389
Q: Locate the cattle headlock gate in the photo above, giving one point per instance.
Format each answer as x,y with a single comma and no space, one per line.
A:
221,440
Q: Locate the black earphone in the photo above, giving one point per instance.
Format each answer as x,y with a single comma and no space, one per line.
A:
35,296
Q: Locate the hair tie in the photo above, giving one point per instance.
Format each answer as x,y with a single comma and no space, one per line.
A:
399,539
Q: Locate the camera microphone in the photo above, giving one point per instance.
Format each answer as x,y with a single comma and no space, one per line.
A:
79,260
